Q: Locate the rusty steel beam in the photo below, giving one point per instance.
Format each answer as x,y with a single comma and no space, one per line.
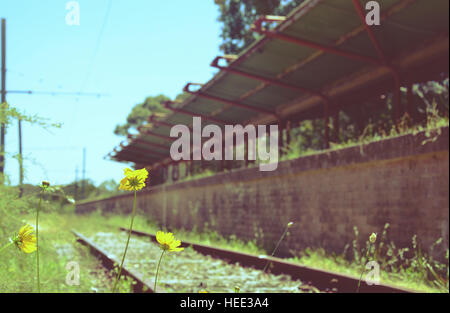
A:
133,157
173,162
148,132
152,119
369,31
206,117
134,150
257,27
167,105
226,101
382,56
142,151
151,144
215,63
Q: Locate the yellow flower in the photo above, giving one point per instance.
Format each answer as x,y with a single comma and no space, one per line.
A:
26,239
203,291
373,238
133,180
168,242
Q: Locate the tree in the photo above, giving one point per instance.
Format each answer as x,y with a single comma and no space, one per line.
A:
237,17
142,111
108,186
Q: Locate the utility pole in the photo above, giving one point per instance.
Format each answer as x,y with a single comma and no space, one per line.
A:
20,159
76,183
3,100
20,153
3,126
83,182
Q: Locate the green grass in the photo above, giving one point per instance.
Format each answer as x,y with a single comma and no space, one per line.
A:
57,244
407,279
142,223
406,267
18,270
414,272
432,128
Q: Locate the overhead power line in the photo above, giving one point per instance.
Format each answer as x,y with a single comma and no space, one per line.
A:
56,93
97,45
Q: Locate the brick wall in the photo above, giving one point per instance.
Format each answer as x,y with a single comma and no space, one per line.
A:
401,181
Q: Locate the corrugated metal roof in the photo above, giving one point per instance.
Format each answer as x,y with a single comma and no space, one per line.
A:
339,60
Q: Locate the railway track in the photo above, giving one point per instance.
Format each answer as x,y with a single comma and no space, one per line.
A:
300,278
109,261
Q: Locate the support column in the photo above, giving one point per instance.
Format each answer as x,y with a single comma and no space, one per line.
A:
326,130
280,139
191,168
397,101
409,101
186,168
222,162
246,150
288,133
165,173
336,125
175,172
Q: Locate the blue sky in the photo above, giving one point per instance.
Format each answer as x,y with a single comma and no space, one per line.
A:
146,48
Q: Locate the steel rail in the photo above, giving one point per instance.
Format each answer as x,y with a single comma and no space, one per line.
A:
321,279
142,285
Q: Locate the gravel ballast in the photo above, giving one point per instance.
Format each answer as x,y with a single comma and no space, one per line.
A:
190,271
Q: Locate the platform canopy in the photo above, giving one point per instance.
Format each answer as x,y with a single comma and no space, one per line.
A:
318,59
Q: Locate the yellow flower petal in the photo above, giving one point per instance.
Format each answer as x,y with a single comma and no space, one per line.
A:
168,242
133,180
26,240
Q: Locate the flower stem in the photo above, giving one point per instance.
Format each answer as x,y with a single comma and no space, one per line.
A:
360,277
157,270
6,246
128,241
37,243
276,247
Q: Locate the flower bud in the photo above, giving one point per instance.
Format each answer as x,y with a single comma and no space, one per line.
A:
373,238
290,224
45,183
